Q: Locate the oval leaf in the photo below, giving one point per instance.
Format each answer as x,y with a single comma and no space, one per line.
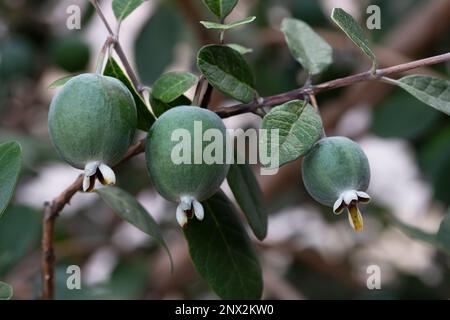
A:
145,117
434,92
307,47
226,70
172,85
123,8
416,233
12,247
10,165
227,26
6,291
60,82
154,47
222,251
160,107
299,125
130,210
248,194
443,234
352,29
221,8
239,48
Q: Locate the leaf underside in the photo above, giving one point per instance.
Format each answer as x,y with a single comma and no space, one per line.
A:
226,70
299,125
433,91
222,251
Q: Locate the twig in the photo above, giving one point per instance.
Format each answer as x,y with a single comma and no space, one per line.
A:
51,212
207,96
225,112
119,50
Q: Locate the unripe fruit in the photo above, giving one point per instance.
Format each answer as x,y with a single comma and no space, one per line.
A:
336,173
92,122
188,180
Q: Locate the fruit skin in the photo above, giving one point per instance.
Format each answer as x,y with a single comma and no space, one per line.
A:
71,54
335,165
93,118
192,181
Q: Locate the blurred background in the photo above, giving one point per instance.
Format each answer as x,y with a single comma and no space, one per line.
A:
309,253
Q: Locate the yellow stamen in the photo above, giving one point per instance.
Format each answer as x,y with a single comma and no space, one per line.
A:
355,217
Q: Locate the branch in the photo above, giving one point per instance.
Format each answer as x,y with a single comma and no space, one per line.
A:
226,112
119,50
51,212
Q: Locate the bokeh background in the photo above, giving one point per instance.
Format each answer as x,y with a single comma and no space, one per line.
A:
309,253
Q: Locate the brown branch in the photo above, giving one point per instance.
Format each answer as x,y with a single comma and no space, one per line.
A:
51,212
119,50
53,208
204,89
237,109
207,96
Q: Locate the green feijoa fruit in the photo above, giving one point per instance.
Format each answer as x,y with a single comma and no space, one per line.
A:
71,53
336,173
92,123
187,158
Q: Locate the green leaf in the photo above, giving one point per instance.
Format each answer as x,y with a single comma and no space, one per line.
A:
248,194
299,125
222,251
12,247
130,210
226,70
353,31
123,8
145,117
241,49
434,92
221,8
227,26
155,45
10,165
394,115
443,234
6,291
172,85
60,82
307,47
416,233
160,107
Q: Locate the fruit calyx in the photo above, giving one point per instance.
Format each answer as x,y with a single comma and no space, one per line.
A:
350,199
188,207
97,170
